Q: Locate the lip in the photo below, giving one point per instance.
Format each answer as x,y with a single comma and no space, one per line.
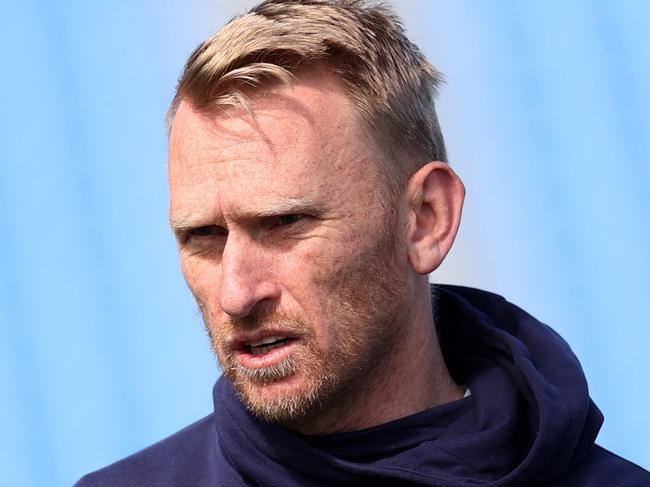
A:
238,343
268,359
247,359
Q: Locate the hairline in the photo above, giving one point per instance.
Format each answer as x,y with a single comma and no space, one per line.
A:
389,170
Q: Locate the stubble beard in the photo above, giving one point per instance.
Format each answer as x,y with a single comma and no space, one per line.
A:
363,310
249,383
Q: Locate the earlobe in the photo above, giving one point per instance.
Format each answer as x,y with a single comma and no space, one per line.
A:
436,197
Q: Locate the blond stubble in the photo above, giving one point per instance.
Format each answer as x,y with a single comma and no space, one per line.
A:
363,299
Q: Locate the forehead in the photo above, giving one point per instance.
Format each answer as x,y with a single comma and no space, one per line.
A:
292,141
308,114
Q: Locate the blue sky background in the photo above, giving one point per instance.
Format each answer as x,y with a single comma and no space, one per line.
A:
102,352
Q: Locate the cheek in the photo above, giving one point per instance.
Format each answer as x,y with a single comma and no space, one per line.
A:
332,260
324,281
319,264
305,276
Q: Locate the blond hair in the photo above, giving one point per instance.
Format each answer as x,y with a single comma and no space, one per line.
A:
390,82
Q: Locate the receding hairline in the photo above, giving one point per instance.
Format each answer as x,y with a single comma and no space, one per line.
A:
321,88
391,84
253,95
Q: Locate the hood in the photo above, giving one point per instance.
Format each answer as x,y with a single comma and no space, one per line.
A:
528,419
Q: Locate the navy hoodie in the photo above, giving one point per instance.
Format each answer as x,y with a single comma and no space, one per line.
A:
529,421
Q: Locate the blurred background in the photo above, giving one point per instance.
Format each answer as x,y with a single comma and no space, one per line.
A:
102,352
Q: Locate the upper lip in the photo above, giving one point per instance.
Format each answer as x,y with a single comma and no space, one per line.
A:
243,339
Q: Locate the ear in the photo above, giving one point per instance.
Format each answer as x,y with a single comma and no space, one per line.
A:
435,202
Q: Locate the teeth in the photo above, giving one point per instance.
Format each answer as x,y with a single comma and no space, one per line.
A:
261,350
272,339
265,341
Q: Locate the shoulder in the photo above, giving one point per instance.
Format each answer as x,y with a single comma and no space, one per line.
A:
602,467
184,458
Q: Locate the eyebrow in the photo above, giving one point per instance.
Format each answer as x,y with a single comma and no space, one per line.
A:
287,206
283,207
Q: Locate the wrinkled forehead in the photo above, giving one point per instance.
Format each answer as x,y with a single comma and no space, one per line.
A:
290,141
269,133
316,106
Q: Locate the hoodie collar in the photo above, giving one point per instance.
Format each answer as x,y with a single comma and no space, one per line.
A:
529,415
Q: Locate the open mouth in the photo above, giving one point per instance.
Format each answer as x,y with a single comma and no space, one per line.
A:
265,348
266,344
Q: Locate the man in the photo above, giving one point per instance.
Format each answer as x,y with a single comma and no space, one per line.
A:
311,199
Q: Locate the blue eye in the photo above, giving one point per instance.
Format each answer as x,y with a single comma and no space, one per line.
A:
289,219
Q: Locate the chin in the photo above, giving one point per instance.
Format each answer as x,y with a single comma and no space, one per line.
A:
287,401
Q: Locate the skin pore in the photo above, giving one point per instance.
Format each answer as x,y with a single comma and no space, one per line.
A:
288,232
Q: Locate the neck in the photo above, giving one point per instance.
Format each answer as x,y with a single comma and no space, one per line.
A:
411,379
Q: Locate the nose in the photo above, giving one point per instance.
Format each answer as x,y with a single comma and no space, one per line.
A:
246,277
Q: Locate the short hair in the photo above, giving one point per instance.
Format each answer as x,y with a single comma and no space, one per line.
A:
389,81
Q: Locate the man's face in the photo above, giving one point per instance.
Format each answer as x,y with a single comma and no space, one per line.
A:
289,244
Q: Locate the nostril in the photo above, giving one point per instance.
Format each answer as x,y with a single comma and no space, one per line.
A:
239,299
